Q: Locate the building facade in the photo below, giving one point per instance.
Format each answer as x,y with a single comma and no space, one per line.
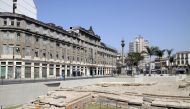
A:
182,58
25,7
31,49
138,45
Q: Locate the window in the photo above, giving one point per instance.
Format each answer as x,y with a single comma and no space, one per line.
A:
36,54
51,69
3,70
44,54
58,44
182,62
186,62
186,55
9,36
18,34
7,49
10,71
3,63
178,62
27,72
182,56
57,56
27,51
18,24
36,72
17,50
51,56
5,22
12,23
36,39
63,57
18,63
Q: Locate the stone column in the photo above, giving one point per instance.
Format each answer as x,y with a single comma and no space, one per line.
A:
71,70
87,71
40,71
101,70
6,71
47,70
97,73
60,70
14,67
22,69
54,70
65,70
32,70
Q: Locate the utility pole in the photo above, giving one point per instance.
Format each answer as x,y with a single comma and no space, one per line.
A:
14,5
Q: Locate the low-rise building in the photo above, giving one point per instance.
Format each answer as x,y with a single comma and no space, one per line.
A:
182,58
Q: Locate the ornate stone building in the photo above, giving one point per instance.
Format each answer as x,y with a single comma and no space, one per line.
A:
32,49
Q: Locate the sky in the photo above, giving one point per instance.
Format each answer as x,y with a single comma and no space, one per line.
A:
165,23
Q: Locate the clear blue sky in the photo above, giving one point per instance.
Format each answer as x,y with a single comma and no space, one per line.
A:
165,23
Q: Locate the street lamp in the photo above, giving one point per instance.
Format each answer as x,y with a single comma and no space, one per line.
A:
122,45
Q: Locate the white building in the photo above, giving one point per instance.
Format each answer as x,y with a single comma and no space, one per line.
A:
138,45
25,7
183,58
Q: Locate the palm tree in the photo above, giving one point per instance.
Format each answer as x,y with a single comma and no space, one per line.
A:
150,51
133,59
169,52
160,54
171,61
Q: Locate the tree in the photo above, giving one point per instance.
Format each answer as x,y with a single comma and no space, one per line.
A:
150,51
171,61
169,53
133,59
160,54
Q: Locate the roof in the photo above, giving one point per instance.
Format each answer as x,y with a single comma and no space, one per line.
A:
48,25
183,52
89,32
109,47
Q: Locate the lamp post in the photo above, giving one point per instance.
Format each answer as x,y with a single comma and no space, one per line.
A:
122,45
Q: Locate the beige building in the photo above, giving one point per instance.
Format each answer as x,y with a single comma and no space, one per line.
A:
32,49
